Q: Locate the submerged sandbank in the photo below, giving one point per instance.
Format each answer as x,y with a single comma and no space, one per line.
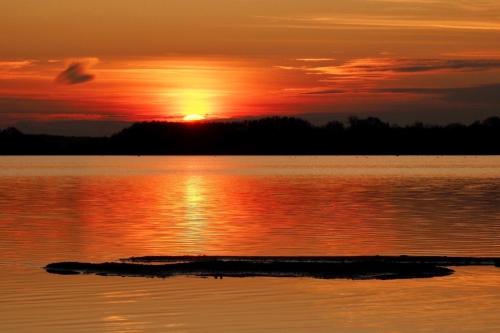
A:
402,259
322,267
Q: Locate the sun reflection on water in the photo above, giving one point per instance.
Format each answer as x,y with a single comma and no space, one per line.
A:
195,209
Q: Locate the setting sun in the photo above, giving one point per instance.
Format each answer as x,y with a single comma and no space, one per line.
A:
193,117
194,104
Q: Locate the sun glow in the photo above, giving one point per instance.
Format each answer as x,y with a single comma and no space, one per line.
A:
194,117
194,104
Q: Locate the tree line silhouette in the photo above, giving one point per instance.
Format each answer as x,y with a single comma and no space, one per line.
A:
268,136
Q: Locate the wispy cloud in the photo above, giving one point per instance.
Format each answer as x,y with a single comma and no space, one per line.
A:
420,65
465,5
16,64
20,69
395,15
326,92
489,93
481,94
376,21
371,76
481,15
315,59
363,68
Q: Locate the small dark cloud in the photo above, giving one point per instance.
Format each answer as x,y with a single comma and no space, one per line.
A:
74,74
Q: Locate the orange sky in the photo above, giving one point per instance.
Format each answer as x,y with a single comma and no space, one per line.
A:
403,60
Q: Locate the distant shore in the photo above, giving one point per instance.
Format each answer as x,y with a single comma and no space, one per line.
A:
268,136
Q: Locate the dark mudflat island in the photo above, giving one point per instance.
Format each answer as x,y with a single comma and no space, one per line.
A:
372,267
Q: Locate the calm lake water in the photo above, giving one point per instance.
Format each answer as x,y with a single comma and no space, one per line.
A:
104,208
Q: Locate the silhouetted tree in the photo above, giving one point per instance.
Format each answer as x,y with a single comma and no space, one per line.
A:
274,135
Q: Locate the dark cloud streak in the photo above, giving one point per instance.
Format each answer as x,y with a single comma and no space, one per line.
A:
326,92
489,93
371,66
432,65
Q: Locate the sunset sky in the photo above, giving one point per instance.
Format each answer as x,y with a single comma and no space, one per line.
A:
93,66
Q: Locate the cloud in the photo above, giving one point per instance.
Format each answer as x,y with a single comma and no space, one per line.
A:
461,5
387,22
315,59
489,93
417,15
18,69
326,92
437,64
12,65
481,94
75,73
389,65
363,72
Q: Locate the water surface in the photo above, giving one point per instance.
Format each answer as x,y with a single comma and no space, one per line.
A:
103,208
